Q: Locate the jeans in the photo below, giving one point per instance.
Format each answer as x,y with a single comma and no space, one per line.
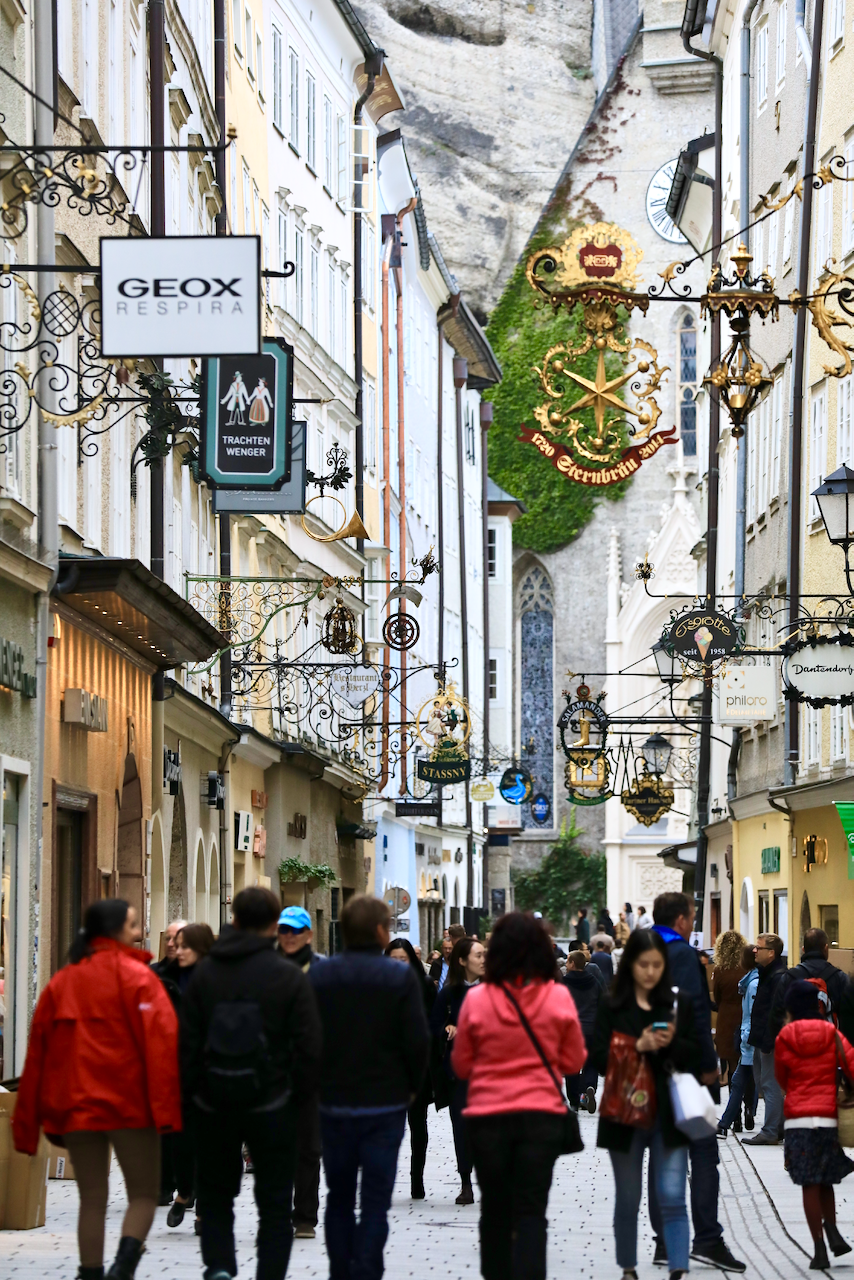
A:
668,1175
271,1138
307,1174
763,1073
741,1082
462,1147
577,1085
350,1143
705,1185
514,1155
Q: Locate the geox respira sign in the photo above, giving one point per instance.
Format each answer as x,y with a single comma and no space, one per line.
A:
180,296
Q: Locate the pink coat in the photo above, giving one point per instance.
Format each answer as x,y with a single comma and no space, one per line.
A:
493,1052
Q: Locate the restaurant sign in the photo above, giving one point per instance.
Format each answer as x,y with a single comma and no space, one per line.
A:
820,671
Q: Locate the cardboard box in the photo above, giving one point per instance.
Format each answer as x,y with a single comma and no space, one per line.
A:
59,1163
25,1200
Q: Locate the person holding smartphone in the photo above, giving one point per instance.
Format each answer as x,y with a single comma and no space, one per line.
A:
642,1004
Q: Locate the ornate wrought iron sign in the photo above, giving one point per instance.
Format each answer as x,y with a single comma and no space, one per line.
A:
444,726
356,684
820,671
647,798
247,417
702,636
588,768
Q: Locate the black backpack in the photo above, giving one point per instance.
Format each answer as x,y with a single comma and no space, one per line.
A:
236,1057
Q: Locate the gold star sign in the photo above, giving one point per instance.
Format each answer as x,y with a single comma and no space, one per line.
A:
601,395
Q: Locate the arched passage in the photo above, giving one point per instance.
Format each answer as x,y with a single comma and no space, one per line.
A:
158,889
806,918
201,912
213,893
178,861
129,846
745,912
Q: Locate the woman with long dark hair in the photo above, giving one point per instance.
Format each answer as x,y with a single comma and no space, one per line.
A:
102,1070
465,970
401,949
518,1020
642,1004
742,1083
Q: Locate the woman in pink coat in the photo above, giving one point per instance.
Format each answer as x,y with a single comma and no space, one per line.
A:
516,1110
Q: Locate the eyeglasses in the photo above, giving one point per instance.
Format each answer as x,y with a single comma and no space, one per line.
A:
286,928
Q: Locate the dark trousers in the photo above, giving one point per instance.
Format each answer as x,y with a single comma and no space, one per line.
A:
307,1175
741,1083
577,1085
370,1144
462,1146
184,1163
168,1179
271,1137
705,1185
418,1139
514,1155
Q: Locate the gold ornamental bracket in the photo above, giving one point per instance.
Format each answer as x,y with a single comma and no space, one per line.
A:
825,320
599,257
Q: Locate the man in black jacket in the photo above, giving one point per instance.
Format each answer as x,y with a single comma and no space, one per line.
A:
586,991
814,964
673,914
250,1050
772,976
375,1046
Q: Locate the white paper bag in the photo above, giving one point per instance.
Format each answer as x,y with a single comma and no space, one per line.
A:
693,1109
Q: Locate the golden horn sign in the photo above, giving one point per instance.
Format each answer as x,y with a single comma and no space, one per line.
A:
354,528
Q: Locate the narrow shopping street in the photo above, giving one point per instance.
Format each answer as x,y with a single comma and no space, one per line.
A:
760,1212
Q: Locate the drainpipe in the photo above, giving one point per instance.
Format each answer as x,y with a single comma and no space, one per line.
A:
812,59
440,515
374,67
224,520
401,472
705,754
486,414
387,251
460,379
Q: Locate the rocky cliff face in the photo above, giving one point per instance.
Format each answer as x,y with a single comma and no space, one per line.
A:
495,94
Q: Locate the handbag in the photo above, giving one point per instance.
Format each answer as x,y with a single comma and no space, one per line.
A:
694,1112
844,1101
629,1093
571,1141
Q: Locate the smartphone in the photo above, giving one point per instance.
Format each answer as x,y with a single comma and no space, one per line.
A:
660,1026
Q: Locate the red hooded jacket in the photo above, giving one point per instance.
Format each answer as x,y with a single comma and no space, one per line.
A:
805,1062
103,1051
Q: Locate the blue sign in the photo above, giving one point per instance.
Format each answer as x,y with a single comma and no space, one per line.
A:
516,785
541,810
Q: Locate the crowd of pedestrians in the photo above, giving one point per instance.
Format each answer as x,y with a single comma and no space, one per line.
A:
249,1052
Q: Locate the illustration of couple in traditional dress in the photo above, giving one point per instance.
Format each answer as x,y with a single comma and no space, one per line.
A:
236,399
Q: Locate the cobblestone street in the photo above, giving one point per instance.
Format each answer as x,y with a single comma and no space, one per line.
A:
760,1211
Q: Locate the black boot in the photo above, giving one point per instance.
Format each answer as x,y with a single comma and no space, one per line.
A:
90,1273
417,1184
466,1195
835,1240
821,1261
127,1259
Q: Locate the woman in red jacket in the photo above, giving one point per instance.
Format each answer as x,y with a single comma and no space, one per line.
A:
102,1068
806,1055
515,1110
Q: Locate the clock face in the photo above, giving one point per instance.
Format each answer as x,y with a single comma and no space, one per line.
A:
656,204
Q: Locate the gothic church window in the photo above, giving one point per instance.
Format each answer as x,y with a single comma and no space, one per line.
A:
537,721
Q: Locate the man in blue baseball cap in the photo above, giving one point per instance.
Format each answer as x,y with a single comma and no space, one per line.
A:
295,939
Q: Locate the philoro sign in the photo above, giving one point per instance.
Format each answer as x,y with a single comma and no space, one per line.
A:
180,296
246,429
745,693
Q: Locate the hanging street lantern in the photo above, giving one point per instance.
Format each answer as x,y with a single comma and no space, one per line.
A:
835,498
656,752
667,660
738,378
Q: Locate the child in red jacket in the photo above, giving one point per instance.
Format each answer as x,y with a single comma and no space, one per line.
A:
807,1053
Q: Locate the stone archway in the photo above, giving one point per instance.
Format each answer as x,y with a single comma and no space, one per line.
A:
806,918
200,914
213,891
157,923
129,857
178,904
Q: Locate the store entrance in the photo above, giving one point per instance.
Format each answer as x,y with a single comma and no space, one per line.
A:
69,880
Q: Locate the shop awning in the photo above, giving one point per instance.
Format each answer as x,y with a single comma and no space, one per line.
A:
682,857
126,600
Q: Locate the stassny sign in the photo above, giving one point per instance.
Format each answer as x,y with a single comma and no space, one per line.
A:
180,296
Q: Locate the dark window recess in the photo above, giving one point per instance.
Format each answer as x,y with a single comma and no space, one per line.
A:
334,922
491,552
469,435
69,873
493,678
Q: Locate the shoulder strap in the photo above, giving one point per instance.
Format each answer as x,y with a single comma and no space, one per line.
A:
840,1059
535,1042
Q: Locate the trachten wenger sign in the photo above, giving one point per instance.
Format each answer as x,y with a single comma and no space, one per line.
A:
821,672
180,296
246,426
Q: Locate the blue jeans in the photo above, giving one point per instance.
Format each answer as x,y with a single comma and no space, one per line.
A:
705,1186
350,1143
741,1083
669,1169
763,1073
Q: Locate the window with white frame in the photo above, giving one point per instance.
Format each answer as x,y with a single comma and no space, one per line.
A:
119,487
298,274
10,466
848,199
773,240
310,121
249,47
277,78
813,736
824,228
328,143
331,308
493,679
293,70
782,19
247,201
758,247
373,589
761,72
259,63
844,425
256,208
369,423
342,161
687,388
818,444
750,512
789,223
762,453
237,27
836,30
776,434
265,246
282,233
837,734
92,489
343,310
314,290
116,79
65,41
232,159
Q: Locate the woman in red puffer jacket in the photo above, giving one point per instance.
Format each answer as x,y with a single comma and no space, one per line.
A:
807,1053
101,1069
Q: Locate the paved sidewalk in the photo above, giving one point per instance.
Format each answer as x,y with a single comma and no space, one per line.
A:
760,1211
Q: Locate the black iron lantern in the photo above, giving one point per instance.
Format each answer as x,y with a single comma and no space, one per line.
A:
669,667
656,753
835,498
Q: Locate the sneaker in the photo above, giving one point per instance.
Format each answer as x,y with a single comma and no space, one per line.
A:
303,1231
590,1099
660,1256
722,1133
718,1255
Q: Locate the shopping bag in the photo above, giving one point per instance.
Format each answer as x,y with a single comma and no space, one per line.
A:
628,1096
694,1111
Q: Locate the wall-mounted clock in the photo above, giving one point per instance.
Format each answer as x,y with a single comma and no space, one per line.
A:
656,204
